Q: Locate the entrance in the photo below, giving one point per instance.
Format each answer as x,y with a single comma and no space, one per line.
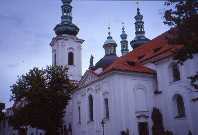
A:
143,128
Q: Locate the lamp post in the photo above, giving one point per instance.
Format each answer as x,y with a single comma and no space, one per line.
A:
102,123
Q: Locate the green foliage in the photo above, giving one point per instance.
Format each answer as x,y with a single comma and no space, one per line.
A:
40,98
183,16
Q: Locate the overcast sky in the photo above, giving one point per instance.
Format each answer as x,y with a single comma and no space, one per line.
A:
26,29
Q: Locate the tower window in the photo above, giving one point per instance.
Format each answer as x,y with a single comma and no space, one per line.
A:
175,72
106,105
70,58
54,58
90,98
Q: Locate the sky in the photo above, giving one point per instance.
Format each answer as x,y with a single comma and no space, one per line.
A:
26,29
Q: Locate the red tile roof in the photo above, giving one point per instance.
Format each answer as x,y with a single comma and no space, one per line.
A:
155,50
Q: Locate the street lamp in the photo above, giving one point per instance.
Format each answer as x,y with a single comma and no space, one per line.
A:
102,123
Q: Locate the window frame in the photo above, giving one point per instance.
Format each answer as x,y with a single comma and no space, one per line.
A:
70,58
106,108
90,107
179,106
79,114
176,74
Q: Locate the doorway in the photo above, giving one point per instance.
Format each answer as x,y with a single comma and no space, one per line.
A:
143,128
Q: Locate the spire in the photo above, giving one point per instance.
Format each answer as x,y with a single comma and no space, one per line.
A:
110,44
91,65
66,11
139,24
66,26
109,33
139,31
124,41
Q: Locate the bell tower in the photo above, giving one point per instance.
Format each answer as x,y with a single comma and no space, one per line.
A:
66,46
124,42
140,37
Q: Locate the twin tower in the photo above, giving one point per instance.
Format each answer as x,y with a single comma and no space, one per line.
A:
66,46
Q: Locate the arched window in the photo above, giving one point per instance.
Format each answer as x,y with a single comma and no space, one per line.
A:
106,107
79,115
180,108
54,58
175,72
90,98
70,58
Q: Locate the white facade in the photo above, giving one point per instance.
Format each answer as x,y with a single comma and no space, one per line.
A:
62,47
132,98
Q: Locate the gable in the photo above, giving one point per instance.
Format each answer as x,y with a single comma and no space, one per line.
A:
87,78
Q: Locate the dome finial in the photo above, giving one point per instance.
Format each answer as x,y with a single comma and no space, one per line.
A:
123,35
139,30
110,44
137,3
123,27
109,32
138,9
124,41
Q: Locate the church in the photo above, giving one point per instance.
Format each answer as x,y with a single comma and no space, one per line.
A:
142,92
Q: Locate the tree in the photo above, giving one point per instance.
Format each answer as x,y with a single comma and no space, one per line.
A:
40,97
158,127
182,16
2,107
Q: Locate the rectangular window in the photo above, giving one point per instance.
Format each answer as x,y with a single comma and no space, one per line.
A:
79,115
106,103
55,58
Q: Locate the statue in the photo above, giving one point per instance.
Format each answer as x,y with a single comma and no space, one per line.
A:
91,65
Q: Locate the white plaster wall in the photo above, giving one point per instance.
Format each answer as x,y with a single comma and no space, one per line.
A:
62,47
119,89
164,101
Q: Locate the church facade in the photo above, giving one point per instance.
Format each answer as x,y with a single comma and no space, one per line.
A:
143,92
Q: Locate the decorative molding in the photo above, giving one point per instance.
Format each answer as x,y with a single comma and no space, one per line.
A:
97,88
142,114
157,92
78,102
194,99
105,93
83,93
70,49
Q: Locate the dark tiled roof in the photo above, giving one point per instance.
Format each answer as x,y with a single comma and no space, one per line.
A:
106,61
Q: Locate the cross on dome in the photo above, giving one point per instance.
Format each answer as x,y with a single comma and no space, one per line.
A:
109,33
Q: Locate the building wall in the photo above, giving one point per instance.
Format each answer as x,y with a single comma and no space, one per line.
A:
165,101
127,109
120,90
61,47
